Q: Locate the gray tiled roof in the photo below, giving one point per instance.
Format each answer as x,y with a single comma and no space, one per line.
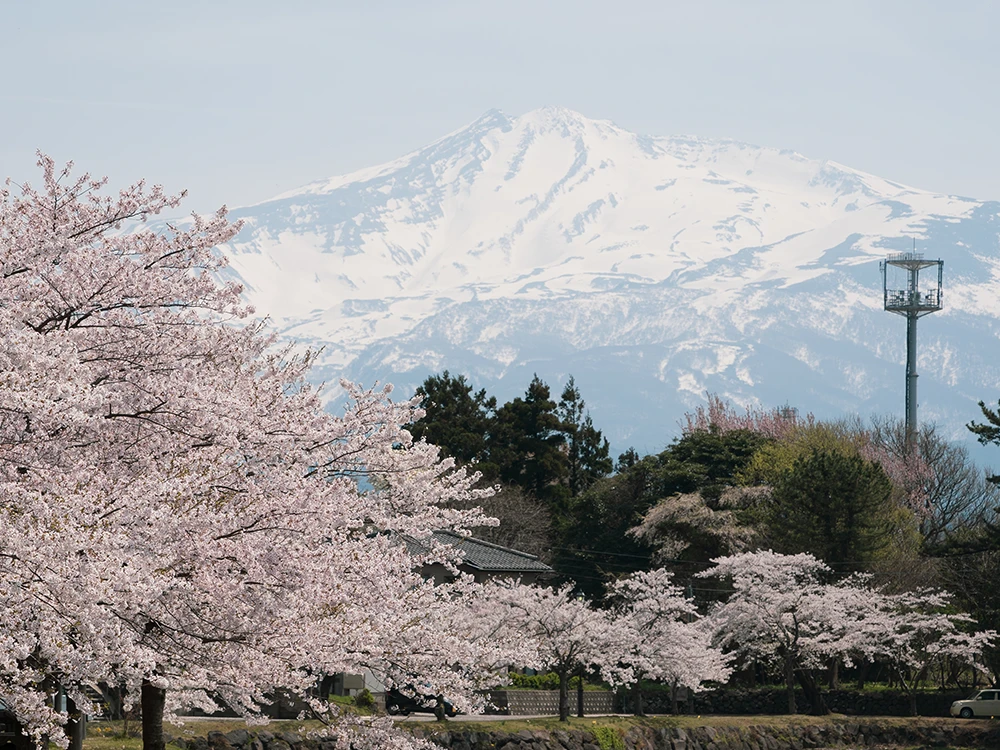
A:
484,556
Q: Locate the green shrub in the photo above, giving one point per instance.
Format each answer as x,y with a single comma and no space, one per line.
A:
548,681
608,738
363,703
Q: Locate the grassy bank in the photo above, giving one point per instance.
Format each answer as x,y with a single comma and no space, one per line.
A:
116,735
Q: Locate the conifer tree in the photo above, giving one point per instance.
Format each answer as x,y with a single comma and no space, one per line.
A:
456,418
836,505
528,444
588,454
989,432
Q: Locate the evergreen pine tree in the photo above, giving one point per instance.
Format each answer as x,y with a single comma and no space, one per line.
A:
835,505
457,420
588,451
528,444
989,432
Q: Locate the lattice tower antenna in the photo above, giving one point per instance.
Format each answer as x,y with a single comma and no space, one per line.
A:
903,296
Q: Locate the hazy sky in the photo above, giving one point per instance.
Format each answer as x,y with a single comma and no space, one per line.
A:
238,101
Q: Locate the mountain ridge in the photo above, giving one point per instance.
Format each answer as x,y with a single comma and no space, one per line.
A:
551,241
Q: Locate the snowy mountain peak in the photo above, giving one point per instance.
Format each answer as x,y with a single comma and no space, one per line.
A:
515,242
558,118
551,196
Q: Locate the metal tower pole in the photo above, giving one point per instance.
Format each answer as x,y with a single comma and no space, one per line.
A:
911,380
911,304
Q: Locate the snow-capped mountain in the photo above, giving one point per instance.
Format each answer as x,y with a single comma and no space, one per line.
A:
652,269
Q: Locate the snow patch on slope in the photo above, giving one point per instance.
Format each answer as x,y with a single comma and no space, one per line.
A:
653,268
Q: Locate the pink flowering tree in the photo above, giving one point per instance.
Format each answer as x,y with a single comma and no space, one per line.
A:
719,414
777,613
567,635
95,404
913,631
181,517
781,611
456,641
665,637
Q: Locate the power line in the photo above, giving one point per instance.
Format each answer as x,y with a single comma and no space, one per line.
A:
607,559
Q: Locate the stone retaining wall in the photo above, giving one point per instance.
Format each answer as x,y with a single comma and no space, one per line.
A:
746,702
953,734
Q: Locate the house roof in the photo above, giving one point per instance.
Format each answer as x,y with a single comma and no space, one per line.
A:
484,556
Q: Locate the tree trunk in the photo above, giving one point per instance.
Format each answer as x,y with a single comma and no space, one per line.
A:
637,707
835,674
152,700
75,725
863,673
790,684
563,697
579,695
811,689
910,686
674,708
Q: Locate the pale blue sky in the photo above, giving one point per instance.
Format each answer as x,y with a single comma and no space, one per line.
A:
238,101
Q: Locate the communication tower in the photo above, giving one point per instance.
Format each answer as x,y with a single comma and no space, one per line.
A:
903,296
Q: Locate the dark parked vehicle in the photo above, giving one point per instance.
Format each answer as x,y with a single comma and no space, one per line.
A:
11,736
398,703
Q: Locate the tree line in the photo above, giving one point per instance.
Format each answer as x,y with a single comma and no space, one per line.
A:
848,492
548,448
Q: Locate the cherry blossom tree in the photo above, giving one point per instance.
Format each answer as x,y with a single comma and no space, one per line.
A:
666,638
676,520
912,631
87,408
777,613
180,515
568,635
719,414
780,610
456,641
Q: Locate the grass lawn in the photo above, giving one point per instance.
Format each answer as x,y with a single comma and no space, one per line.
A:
111,735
